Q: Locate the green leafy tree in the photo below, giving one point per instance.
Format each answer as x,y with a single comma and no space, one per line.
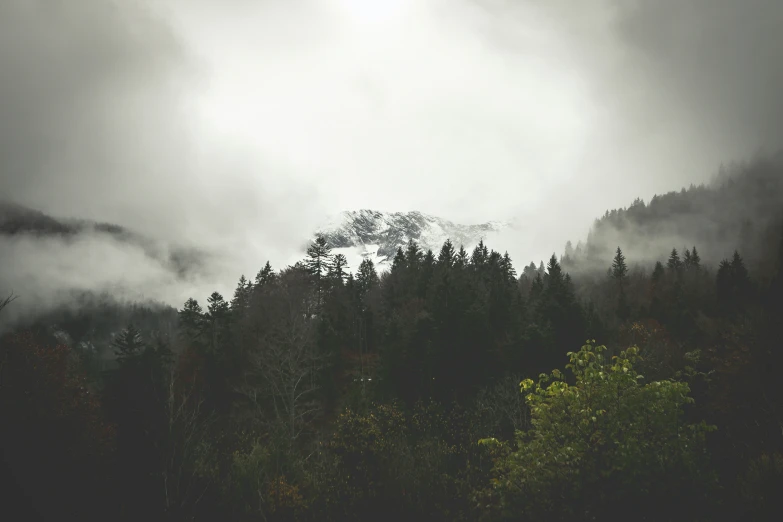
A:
607,445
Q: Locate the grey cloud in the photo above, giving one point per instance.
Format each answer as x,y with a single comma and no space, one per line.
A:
237,125
98,120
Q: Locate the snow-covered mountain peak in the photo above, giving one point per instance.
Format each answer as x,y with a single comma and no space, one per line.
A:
376,235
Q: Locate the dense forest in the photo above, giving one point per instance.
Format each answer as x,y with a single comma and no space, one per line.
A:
611,382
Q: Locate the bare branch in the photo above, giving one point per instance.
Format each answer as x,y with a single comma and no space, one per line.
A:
8,300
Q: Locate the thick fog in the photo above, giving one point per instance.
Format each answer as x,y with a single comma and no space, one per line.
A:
236,125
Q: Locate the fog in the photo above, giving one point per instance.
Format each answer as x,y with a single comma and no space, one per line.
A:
235,126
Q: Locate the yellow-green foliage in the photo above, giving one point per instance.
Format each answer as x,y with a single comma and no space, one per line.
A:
604,440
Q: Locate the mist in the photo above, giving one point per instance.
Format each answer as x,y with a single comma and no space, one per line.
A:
236,126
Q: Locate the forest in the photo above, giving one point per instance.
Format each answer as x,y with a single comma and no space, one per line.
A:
609,383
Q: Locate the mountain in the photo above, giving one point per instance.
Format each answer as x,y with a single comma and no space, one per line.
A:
741,208
377,235
17,221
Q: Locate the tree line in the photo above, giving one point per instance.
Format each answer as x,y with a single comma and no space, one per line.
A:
448,388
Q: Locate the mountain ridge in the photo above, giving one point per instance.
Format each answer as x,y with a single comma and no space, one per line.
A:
373,234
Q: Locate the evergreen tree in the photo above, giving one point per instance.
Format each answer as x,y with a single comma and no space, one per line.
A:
658,272
530,271
318,264
338,269
191,319
128,345
426,273
695,259
446,255
508,269
674,262
461,260
265,276
366,278
413,258
619,268
399,262
687,259
217,320
241,298
480,255
554,272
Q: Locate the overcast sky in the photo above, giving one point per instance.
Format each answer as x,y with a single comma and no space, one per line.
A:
238,124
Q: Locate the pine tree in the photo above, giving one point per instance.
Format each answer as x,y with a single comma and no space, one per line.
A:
413,256
687,259
128,345
480,255
366,278
446,255
338,269
695,259
674,262
530,271
554,271
426,273
508,269
399,261
241,297
461,260
216,319
318,264
619,267
191,318
264,276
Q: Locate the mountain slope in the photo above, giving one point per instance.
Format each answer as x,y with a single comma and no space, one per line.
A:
742,208
17,221
377,235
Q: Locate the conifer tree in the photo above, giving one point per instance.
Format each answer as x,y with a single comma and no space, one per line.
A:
426,273
413,256
658,272
191,319
508,269
695,259
446,255
241,297
554,271
366,278
480,255
674,262
399,262
687,259
338,269
619,267
461,260
128,345
264,276
318,263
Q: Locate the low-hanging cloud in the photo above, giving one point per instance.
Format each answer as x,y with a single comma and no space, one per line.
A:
97,121
236,125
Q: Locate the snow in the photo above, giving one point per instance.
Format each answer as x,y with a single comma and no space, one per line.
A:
428,231
356,254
